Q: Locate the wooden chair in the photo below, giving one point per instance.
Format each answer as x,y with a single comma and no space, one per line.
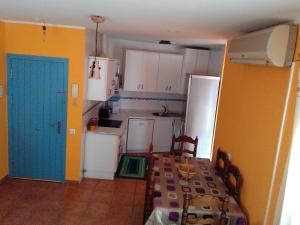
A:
148,207
181,140
222,164
234,182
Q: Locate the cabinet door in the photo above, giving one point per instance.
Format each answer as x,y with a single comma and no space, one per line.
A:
111,77
133,70
189,61
202,62
169,73
139,135
97,88
149,71
101,155
162,135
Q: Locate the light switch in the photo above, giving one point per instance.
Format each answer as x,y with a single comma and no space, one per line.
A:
74,90
72,131
1,90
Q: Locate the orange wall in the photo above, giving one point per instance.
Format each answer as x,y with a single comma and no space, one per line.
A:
248,122
59,42
3,115
286,144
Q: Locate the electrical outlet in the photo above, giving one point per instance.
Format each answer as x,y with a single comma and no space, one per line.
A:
72,131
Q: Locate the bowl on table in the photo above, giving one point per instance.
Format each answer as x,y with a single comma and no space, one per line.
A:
187,170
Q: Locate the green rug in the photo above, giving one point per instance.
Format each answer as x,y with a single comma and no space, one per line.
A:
133,167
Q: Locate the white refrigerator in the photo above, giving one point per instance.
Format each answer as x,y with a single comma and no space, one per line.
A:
201,107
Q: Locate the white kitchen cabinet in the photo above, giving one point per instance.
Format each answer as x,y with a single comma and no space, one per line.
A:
150,69
102,89
101,155
162,135
141,71
164,129
139,134
133,70
169,73
195,61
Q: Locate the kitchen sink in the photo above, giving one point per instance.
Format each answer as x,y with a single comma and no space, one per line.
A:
168,114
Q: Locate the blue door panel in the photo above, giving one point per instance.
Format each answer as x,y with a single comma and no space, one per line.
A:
38,87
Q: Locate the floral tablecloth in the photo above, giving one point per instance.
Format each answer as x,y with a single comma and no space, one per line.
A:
170,186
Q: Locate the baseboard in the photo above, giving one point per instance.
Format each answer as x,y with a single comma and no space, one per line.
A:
72,182
5,178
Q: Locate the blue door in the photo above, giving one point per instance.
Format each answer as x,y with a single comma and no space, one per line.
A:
37,107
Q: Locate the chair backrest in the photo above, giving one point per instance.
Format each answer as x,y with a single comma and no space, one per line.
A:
234,182
181,140
222,163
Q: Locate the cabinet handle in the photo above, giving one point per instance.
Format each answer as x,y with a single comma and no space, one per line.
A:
166,88
142,86
138,87
170,88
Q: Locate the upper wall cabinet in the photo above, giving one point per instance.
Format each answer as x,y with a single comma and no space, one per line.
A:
195,61
101,85
152,72
141,71
169,73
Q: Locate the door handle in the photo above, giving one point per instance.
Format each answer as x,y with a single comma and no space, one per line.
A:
57,126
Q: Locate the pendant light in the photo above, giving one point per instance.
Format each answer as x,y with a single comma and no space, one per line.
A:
95,68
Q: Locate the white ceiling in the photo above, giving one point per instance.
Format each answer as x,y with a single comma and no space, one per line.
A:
190,22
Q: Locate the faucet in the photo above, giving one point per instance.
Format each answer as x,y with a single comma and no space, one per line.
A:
165,109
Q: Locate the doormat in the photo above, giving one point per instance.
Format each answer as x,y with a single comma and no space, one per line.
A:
133,167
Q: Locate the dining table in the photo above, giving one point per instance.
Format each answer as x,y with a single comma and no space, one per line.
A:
170,186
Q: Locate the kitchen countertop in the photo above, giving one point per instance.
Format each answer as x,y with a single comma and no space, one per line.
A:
124,115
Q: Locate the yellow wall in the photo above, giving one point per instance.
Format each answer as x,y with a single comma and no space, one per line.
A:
3,115
59,42
248,122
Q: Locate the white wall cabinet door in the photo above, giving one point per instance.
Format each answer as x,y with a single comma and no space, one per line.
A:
195,61
202,62
169,73
133,70
139,134
150,69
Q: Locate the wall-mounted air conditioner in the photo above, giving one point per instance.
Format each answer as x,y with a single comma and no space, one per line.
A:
273,46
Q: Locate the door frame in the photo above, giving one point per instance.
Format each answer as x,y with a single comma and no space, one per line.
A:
65,61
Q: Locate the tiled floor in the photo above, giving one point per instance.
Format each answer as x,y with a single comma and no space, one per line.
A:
92,202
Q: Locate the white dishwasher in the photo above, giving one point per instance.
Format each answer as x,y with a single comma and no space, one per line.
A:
139,135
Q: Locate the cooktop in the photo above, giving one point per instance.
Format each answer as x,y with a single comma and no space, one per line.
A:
109,123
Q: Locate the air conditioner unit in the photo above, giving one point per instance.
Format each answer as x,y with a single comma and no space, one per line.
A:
272,46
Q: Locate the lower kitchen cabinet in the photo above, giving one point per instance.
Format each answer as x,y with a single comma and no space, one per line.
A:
139,134
164,129
101,155
142,132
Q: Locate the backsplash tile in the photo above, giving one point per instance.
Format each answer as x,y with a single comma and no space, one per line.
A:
151,101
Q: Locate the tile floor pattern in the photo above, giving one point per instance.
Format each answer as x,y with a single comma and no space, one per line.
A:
92,202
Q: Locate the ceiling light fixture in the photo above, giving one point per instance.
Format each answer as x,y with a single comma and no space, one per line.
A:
96,19
164,42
